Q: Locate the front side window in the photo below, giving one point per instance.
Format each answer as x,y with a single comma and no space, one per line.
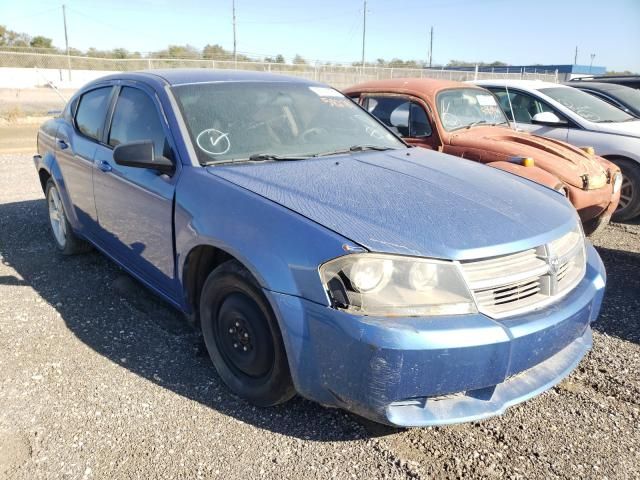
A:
92,110
466,107
521,105
587,106
135,118
406,117
235,120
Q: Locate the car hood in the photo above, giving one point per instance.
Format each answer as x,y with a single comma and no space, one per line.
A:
566,162
412,202
631,128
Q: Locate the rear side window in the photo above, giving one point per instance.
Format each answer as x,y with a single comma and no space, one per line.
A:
91,112
136,118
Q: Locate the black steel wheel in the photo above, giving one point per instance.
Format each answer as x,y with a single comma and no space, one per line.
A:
243,338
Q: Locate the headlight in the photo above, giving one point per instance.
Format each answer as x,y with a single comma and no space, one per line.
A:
389,285
617,182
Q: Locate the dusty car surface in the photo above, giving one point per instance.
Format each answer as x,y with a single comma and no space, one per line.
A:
570,115
466,121
317,252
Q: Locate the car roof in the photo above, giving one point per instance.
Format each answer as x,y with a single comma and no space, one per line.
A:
419,86
605,87
525,84
183,76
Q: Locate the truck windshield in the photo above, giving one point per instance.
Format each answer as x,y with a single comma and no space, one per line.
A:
466,107
269,120
586,105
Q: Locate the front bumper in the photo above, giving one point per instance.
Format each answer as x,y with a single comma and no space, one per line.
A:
594,207
440,370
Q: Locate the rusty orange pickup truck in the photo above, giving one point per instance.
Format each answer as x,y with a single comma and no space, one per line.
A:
467,121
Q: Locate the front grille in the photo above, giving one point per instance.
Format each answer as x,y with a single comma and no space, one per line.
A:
527,280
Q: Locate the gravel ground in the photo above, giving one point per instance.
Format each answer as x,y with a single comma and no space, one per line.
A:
98,379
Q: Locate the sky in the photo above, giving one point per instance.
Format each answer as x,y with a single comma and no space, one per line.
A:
512,31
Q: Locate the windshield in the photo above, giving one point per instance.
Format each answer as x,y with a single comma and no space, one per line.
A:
237,120
587,106
467,107
630,96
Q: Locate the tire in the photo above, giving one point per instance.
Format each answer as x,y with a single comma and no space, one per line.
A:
242,337
66,240
629,206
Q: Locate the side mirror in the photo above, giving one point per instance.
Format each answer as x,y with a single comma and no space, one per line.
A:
141,155
547,118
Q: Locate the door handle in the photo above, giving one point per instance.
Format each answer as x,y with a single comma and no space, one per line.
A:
104,166
62,144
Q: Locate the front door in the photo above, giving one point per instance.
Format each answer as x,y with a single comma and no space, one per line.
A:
521,107
135,205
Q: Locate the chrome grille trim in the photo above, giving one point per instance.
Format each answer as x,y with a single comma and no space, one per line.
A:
517,283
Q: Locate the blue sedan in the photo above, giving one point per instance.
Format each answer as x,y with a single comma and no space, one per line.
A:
318,253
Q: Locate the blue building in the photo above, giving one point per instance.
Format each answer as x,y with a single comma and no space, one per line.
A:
565,72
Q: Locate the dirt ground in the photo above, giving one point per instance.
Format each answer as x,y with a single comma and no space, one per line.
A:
100,380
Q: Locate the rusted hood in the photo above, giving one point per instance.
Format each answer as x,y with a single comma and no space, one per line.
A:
568,163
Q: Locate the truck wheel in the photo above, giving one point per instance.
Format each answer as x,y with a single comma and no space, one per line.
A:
242,337
629,206
67,242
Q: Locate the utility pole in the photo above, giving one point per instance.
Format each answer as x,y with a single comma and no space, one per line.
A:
364,30
235,54
66,40
431,47
575,57
593,55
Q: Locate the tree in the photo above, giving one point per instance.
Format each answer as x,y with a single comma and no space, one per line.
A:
120,53
178,51
41,42
215,52
298,60
279,59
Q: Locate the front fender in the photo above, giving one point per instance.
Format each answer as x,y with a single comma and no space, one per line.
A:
281,248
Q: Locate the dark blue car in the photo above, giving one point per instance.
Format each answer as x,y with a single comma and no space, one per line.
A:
318,253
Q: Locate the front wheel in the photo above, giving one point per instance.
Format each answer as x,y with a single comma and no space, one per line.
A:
67,242
629,206
242,337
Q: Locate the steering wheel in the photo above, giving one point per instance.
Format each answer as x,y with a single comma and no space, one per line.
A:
305,136
450,120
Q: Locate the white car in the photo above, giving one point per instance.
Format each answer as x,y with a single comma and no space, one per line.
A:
574,116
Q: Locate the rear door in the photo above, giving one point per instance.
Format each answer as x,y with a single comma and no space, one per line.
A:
523,106
135,205
77,141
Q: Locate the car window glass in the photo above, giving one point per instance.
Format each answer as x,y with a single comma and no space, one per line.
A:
522,105
587,106
92,111
420,126
136,118
231,121
405,117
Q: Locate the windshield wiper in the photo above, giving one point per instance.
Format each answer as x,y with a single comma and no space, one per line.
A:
259,157
477,122
355,148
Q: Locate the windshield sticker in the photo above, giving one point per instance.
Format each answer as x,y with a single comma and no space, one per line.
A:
326,92
213,142
486,100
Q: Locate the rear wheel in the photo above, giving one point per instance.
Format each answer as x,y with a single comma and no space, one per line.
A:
67,242
629,206
242,336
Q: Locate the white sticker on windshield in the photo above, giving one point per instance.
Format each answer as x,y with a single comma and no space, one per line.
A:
486,100
325,92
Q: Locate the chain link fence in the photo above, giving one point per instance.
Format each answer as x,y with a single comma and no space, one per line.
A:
339,76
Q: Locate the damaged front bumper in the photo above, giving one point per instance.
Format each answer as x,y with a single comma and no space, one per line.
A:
440,370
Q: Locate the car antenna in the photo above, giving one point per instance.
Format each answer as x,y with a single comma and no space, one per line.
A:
513,114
